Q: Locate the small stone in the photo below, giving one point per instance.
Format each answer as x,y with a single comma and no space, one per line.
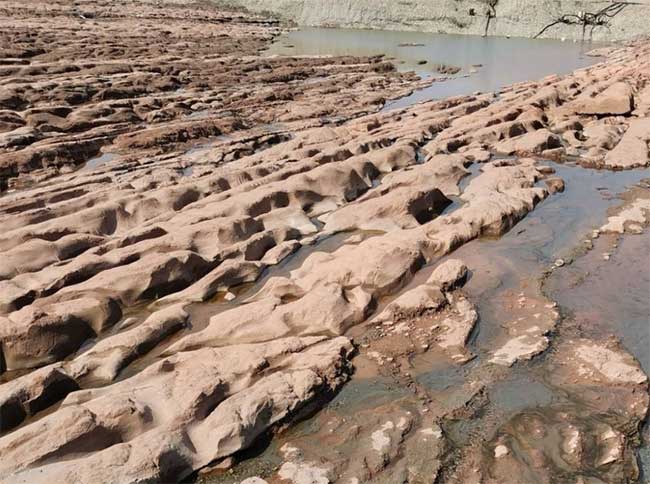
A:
555,184
224,465
500,451
449,275
254,480
559,263
354,239
635,228
229,296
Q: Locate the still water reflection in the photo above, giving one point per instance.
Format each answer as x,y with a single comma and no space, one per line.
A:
487,63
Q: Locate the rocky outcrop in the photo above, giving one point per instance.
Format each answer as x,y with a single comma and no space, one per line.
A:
209,409
62,108
617,99
163,308
633,149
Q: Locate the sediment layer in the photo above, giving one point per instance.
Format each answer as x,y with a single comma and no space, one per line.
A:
516,18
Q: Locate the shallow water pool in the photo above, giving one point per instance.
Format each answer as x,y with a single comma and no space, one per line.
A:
487,64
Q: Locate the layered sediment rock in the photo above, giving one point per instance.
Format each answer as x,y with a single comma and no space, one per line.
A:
162,309
196,74
517,18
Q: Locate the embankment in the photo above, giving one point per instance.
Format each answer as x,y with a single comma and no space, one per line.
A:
517,18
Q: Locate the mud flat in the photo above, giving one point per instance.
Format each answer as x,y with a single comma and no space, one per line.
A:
260,277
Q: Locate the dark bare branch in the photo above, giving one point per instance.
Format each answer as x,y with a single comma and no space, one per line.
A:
601,18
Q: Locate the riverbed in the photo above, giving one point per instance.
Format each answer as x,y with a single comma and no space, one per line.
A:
549,259
523,261
233,266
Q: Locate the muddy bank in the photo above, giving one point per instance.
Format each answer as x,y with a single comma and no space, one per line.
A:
516,18
188,294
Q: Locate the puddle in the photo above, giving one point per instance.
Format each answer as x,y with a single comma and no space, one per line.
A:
558,224
440,378
608,297
611,297
355,396
552,231
491,63
363,393
520,392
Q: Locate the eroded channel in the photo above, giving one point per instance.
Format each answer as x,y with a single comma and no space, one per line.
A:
550,261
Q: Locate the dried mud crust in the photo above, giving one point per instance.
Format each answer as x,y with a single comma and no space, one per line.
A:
161,311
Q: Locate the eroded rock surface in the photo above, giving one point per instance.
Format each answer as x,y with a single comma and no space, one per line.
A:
196,246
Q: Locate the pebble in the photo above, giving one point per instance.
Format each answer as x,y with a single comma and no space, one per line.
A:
500,451
635,228
559,263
